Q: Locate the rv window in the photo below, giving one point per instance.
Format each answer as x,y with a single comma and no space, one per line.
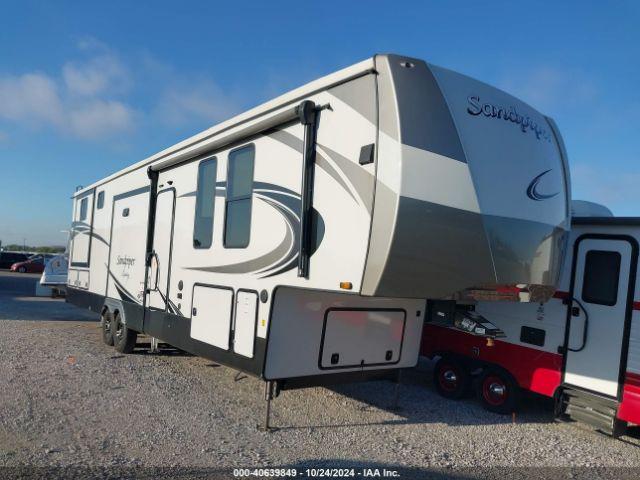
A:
237,228
601,275
83,208
205,201
100,200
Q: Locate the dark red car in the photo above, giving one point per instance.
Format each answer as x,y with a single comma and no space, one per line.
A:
34,264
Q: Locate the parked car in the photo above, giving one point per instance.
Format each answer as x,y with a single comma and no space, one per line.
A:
9,258
34,264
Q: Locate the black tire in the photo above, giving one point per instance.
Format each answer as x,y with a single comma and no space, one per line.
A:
124,338
106,322
451,378
22,270
497,391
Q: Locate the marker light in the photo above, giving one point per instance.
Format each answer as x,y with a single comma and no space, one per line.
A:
346,285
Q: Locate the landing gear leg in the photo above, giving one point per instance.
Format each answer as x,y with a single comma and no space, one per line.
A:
269,388
154,345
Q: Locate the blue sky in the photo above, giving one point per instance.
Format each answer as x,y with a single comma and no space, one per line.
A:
87,88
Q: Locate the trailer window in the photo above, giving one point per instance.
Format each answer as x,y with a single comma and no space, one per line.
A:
205,201
100,203
601,275
83,208
237,228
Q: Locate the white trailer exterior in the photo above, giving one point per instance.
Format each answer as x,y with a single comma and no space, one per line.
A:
298,241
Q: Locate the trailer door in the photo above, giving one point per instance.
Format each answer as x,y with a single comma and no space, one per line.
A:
599,314
160,271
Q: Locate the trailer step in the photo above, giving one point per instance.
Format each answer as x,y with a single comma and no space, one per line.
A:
589,408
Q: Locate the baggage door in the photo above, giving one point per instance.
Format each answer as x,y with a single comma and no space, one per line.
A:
160,269
599,314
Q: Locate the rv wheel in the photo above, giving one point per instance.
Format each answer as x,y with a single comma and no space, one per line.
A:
497,391
451,378
124,339
106,321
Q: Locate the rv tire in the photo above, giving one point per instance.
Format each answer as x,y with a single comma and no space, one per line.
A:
106,323
497,391
451,378
124,338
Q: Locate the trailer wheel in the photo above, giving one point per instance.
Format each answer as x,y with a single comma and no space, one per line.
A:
497,391
124,338
106,322
451,378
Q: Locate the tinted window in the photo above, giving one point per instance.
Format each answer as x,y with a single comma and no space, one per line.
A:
100,200
601,275
205,201
83,209
237,230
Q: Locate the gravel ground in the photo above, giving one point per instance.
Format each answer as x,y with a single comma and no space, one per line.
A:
68,400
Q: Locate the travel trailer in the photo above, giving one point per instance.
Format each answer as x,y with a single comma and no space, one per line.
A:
55,273
582,347
298,241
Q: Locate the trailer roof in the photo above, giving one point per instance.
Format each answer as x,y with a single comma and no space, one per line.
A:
336,78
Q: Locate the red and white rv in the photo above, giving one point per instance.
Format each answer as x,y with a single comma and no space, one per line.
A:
582,347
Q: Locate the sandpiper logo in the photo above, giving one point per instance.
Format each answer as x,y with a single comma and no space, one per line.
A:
126,261
509,114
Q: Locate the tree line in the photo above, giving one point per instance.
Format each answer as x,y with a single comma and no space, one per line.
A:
26,248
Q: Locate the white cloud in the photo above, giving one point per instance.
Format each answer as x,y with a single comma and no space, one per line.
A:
104,73
88,97
81,109
612,187
94,119
547,88
30,98
200,101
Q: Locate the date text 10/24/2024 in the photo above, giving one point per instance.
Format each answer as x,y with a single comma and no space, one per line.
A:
316,472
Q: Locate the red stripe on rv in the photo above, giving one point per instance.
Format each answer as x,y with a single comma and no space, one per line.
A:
629,409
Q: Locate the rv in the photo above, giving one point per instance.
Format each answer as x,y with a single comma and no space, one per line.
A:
298,241
582,347
55,274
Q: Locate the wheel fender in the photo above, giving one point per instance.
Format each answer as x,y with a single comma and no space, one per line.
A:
462,359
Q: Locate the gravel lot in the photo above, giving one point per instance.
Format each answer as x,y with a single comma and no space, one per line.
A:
67,400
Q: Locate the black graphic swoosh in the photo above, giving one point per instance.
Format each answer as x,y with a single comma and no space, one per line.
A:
532,189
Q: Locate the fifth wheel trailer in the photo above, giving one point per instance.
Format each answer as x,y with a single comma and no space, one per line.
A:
582,347
298,241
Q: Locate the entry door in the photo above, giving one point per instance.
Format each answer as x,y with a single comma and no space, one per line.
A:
598,317
160,271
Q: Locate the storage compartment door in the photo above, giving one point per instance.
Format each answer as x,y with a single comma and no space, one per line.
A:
211,315
244,332
353,338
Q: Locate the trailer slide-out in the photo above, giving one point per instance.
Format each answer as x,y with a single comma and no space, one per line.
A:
298,241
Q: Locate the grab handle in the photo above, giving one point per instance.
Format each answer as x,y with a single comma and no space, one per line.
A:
585,329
